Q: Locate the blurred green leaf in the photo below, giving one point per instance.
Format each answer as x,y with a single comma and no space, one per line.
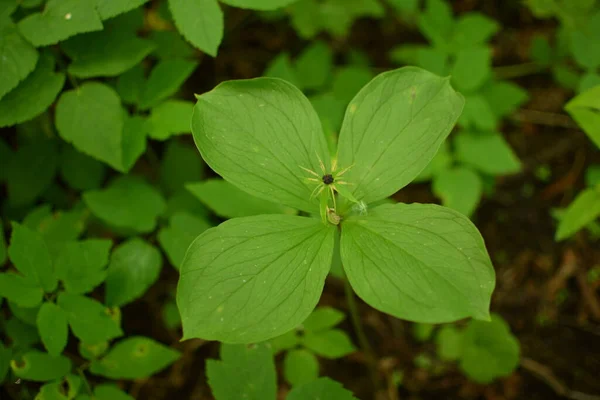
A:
134,267
20,289
3,251
583,210
25,314
110,392
200,22
165,80
592,177
180,164
588,81
322,388
63,389
170,44
449,343
80,171
18,58
436,22
585,44
459,188
504,97
487,152
300,367
5,357
40,367
472,68
30,256
473,29
281,67
135,357
176,238
259,4
172,117
347,82
314,66
130,84
585,110
109,8
422,332
332,343
81,265
322,318
53,327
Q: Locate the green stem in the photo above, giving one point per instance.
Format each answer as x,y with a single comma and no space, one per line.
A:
517,71
85,381
360,332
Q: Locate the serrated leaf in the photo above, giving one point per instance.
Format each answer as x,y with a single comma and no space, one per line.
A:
423,263
134,358
460,188
109,52
322,319
81,265
30,256
40,367
504,97
30,171
240,282
79,171
34,95
53,327
17,58
585,110
165,80
322,388
393,128
300,367
170,44
200,22
449,343
176,238
583,210
489,350
259,134
180,164
172,117
333,343
134,267
314,66
89,320
109,8
20,289
128,202
227,201
472,68
263,5
60,20
487,152
243,372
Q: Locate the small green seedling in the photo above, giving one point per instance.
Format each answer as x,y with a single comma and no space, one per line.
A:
248,372
315,337
484,350
254,278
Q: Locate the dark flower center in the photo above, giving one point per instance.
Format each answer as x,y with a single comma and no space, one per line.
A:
328,179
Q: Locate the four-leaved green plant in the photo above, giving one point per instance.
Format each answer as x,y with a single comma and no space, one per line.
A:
254,278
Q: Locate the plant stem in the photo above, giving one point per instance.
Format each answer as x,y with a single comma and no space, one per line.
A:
360,333
85,381
517,71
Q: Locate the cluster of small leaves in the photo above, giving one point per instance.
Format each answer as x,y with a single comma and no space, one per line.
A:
483,350
248,372
315,337
585,209
466,166
573,54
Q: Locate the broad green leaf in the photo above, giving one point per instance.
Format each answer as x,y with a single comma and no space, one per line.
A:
130,85
30,256
89,320
478,114
348,81
200,22
128,202
228,201
17,58
25,314
487,152
259,134
489,350
259,4
165,80
92,119
473,29
333,343
436,22
20,289
170,44
176,238
300,367
585,44
40,367
110,392
34,95
81,265
322,319
281,67
79,171
449,343
246,372
314,66
393,128
460,188
504,97
180,165
134,358
109,52
585,109
62,389
423,263
5,357
583,210
53,327
109,8
253,278
134,267
472,67
170,118
60,20
30,171
322,388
